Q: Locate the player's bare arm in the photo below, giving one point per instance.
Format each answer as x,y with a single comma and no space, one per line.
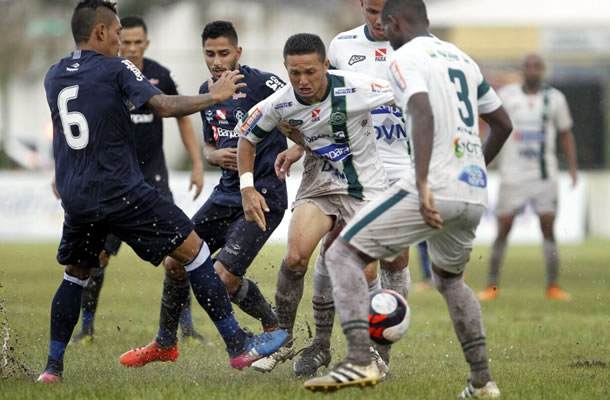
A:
286,158
253,202
224,158
569,148
423,138
500,128
192,147
176,106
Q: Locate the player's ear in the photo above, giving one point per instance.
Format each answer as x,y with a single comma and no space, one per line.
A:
239,50
100,31
146,45
326,64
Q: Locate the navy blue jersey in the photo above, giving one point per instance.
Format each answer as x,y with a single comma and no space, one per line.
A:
149,127
218,123
89,95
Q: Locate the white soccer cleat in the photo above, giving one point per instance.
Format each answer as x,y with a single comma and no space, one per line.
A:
267,364
489,391
384,370
345,374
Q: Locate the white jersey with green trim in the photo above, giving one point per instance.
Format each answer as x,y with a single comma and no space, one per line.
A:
529,153
337,130
458,93
355,50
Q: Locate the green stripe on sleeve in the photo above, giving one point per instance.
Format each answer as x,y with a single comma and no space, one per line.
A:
483,89
259,132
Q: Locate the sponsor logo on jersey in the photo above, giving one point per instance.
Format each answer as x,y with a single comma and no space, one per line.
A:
338,118
395,111
240,95
73,68
377,87
142,118
274,83
390,131
381,54
529,153
130,66
343,91
221,116
315,138
295,122
356,58
251,121
343,37
238,113
531,136
315,115
222,132
397,76
334,152
154,81
209,115
461,148
279,106
474,176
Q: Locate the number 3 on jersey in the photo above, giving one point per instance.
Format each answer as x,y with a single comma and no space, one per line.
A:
72,118
456,77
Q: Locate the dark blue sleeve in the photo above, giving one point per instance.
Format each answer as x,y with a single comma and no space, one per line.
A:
271,83
208,133
170,87
133,84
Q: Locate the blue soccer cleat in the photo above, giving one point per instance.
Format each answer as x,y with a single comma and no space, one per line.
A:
259,346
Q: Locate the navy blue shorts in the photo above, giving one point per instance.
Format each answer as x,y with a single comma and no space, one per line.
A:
226,228
112,244
148,222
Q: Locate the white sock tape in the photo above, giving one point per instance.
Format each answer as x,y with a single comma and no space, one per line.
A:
246,180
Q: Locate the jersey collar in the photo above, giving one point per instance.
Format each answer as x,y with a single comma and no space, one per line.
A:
367,34
328,87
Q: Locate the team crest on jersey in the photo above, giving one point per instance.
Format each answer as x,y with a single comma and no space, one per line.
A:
397,76
315,115
381,54
240,95
251,121
474,176
239,114
209,115
337,118
356,58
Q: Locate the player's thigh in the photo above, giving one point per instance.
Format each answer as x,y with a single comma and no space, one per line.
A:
81,243
154,227
512,198
308,225
212,222
387,225
244,240
450,247
545,199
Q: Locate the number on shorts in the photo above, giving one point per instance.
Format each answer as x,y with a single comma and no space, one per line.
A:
72,118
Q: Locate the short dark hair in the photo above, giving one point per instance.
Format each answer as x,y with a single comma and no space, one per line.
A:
134,21
217,29
399,8
304,43
86,16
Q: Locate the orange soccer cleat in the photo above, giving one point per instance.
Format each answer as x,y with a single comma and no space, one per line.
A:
490,293
144,355
555,293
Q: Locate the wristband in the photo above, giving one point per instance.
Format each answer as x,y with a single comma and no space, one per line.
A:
246,180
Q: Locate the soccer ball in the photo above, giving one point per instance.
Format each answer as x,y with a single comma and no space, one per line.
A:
389,316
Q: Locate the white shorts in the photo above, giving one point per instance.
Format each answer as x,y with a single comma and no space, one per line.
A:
513,197
341,206
392,222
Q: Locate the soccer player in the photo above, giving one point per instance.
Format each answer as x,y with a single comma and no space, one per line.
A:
221,222
529,169
149,147
441,200
343,170
103,191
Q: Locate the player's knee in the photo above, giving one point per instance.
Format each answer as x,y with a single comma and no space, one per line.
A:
230,280
370,271
174,269
296,260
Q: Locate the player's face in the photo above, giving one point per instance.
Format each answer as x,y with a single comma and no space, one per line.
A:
307,75
133,44
533,70
220,55
371,9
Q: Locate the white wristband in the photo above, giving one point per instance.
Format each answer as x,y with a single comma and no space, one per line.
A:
246,180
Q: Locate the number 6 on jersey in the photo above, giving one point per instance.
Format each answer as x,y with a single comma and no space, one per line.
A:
72,118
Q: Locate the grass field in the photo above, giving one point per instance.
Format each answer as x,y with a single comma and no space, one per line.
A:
538,349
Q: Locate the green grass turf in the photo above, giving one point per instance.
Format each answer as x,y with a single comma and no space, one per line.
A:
538,349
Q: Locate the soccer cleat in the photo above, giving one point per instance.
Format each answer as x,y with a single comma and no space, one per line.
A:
259,346
48,378
489,391
490,293
384,370
144,355
84,337
312,358
555,293
343,375
267,364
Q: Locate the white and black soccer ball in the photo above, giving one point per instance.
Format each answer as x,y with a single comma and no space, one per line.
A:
389,316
